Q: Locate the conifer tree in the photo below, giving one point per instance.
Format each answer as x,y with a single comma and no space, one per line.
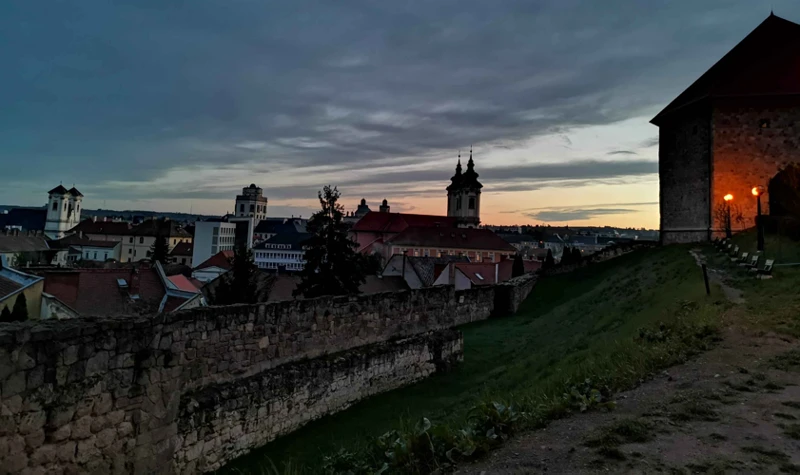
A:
20,311
159,251
5,315
518,268
549,260
333,267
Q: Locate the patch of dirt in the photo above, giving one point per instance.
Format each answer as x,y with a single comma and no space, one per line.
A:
718,277
733,409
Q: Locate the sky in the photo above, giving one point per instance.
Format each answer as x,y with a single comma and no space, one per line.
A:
177,105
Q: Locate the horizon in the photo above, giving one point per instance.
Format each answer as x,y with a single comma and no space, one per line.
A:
555,100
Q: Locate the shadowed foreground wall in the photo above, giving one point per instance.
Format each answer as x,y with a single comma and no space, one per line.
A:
130,395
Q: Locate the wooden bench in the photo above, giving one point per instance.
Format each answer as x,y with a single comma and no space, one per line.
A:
734,253
766,272
741,260
753,264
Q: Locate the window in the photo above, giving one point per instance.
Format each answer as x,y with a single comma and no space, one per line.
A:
252,208
491,257
458,203
95,256
241,208
471,202
55,205
105,256
141,240
478,275
129,251
134,253
426,253
130,240
183,260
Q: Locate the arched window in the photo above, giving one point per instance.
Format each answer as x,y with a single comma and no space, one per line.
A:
471,202
458,203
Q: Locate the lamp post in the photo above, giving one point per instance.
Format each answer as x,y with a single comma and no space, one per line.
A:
728,198
757,192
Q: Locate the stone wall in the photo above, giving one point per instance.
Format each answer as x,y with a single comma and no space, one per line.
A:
753,140
510,294
684,158
104,395
221,422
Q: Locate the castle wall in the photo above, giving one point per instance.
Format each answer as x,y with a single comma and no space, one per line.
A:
138,394
752,140
684,176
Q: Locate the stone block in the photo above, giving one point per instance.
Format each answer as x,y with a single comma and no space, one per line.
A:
35,439
87,450
82,428
62,415
44,455
14,384
32,422
65,452
102,404
97,363
70,355
62,433
106,437
84,407
125,429
15,462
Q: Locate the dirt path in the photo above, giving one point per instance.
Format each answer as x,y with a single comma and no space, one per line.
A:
733,409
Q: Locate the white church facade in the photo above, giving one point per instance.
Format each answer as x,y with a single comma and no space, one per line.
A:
63,211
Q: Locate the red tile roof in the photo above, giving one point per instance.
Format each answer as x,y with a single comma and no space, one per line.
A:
221,259
97,291
182,249
479,273
397,222
183,283
173,303
765,63
8,287
454,238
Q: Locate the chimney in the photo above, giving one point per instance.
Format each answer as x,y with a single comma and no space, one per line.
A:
496,272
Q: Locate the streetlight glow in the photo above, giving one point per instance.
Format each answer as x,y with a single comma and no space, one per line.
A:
757,190
729,196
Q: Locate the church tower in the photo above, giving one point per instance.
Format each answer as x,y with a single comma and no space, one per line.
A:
63,211
464,195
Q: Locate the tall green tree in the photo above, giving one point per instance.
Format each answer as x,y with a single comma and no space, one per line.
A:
20,311
238,285
159,251
333,267
5,315
518,268
577,257
549,260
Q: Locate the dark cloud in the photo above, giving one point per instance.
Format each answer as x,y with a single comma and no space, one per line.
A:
621,152
649,143
101,92
567,215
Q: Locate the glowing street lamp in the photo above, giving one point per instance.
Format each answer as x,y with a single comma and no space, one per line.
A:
757,192
728,198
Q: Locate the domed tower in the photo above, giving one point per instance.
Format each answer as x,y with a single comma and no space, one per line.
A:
251,203
384,208
464,195
362,209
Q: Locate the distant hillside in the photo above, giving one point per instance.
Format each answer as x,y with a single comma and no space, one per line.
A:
126,214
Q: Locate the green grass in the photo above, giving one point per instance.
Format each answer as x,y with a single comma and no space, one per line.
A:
585,324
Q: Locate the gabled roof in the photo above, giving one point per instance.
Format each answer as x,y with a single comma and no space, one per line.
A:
59,190
221,259
182,249
479,273
375,221
13,281
22,243
295,240
455,238
117,228
183,283
765,63
74,192
160,227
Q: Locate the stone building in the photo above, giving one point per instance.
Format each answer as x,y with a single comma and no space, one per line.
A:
464,195
733,129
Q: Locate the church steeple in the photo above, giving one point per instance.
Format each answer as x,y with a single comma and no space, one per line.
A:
464,193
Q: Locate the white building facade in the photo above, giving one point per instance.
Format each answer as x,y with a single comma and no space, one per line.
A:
211,237
251,203
282,252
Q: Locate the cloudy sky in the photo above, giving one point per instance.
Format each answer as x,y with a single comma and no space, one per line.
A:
175,105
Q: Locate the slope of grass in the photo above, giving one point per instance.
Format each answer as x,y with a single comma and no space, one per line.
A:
772,304
586,324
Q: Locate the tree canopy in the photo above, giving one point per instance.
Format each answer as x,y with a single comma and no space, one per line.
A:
333,267
239,285
159,251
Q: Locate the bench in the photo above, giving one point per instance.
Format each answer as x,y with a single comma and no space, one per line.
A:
741,260
753,264
766,272
734,252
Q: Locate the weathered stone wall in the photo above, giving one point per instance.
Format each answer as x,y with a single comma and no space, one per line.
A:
752,141
510,294
223,421
684,158
103,395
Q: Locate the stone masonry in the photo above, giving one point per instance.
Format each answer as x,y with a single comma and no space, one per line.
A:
113,395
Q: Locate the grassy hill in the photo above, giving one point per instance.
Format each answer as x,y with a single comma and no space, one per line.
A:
613,323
